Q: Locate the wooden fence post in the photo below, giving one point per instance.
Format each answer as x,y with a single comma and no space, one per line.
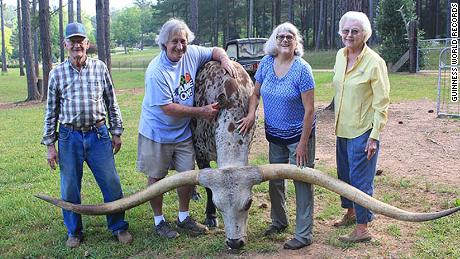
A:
413,46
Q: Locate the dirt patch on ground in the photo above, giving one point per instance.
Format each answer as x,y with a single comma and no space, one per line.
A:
417,149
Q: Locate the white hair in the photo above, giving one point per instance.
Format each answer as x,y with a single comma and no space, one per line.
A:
170,27
270,47
359,17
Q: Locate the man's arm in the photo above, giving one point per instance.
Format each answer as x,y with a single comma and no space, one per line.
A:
50,122
219,54
208,112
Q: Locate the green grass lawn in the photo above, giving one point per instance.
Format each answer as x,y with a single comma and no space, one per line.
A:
32,228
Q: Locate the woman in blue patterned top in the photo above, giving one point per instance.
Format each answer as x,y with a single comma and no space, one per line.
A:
285,82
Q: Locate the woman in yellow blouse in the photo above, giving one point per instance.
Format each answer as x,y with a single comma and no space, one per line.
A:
361,104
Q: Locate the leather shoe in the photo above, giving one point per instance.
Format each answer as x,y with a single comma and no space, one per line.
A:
354,237
294,244
73,242
272,229
345,221
124,237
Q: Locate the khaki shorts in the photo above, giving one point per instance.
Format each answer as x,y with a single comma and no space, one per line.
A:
154,159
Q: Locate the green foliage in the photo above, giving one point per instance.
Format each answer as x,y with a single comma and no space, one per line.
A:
391,27
126,27
8,47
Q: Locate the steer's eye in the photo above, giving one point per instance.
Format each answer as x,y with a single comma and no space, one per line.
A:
248,204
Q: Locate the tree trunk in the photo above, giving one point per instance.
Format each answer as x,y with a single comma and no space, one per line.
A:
291,11
61,32
251,19
45,40
100,34
194,16
320,25
333,23
215,31
70,10
32,91
21,52
277,12
79,11
35,28
106,8
4,67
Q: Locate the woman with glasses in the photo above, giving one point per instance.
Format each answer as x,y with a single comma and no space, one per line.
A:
361,105
285,82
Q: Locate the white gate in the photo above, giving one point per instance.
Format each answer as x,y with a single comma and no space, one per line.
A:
445,107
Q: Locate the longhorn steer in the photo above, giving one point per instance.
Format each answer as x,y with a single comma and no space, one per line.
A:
233,196
218,140
232,182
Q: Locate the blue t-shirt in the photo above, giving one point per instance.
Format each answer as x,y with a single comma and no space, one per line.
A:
283,108
170,82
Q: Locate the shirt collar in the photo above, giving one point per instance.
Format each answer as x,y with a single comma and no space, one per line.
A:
72,66
360,56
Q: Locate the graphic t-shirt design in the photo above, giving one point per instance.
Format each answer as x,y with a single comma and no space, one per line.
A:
185,88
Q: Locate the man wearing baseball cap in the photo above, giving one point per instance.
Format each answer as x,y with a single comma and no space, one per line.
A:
83,116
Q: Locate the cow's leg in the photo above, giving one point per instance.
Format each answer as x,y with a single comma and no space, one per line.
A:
211,212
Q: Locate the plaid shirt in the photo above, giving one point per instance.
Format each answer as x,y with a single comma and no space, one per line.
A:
80,98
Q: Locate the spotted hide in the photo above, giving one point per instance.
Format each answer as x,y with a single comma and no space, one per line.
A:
218,140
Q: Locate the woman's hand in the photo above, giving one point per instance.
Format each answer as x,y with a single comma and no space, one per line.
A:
246,124
371,148
301,154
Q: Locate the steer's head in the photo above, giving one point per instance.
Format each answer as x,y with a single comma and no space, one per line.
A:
232,195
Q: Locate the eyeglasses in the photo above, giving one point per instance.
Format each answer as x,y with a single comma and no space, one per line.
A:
280,38
73,42
354,32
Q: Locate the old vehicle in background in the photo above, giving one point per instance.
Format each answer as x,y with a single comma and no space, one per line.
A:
248,52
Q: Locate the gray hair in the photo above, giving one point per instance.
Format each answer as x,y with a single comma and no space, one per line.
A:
359,17
270,47
170,27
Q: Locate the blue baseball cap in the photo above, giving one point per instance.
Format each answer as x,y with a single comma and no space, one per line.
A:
75,29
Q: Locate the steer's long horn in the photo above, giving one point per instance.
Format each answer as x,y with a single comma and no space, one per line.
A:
308,175
160,187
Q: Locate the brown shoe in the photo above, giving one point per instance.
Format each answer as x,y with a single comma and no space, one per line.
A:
355,238
345,221
192,227
124,237
73,242
164,230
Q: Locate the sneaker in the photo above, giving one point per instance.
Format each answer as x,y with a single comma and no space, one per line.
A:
354,237
73,242
211,222
294,244
124,237
164,230
272,229
191,226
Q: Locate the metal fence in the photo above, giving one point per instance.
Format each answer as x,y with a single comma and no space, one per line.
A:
445,107
428,53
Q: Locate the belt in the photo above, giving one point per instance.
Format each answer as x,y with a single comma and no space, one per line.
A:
85,128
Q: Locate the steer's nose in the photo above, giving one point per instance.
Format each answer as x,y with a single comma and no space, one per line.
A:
235,243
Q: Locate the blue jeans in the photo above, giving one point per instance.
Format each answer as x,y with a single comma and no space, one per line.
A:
354,169
284,154
94,148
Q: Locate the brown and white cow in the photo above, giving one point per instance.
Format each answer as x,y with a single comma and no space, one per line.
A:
232,182
219,140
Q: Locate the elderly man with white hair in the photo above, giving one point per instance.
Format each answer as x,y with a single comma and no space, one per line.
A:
164,127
